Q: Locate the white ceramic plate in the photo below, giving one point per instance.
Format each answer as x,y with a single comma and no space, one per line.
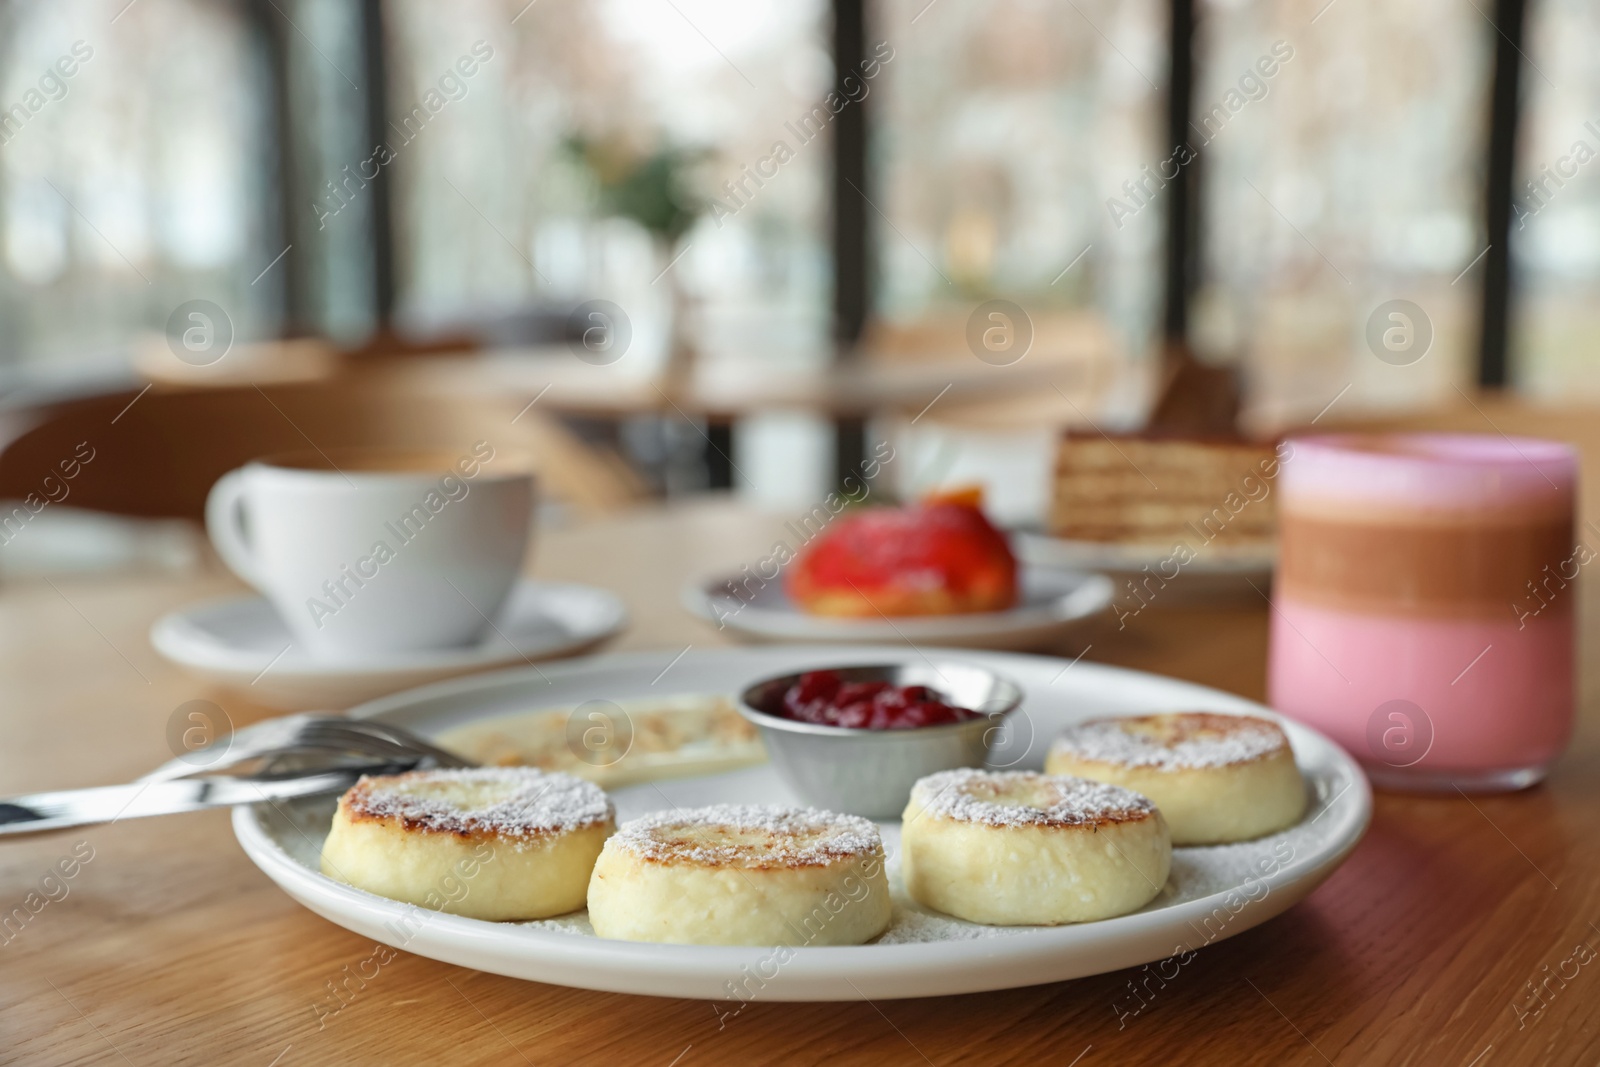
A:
1212,893
1054,604
1215,570
242,642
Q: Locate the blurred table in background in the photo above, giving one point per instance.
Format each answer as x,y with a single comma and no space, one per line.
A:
170,947
734,389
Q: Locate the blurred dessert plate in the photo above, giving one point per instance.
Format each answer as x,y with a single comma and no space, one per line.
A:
1051,605
242,642
1252,560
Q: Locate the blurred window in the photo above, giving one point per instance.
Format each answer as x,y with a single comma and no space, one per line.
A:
136,155
1555,224
1350,176
638,151
674,156
1001,131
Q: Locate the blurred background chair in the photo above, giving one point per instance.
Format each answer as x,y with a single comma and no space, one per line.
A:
157,452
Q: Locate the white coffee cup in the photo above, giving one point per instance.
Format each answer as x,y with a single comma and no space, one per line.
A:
374,551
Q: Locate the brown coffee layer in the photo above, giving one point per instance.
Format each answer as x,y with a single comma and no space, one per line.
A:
1433,569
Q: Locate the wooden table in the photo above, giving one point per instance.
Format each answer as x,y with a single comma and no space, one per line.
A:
169,947
734,389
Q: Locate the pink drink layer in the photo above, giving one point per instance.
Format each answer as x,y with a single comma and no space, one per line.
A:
1424,472
1505,709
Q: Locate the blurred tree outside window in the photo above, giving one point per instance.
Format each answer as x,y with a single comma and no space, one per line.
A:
586,158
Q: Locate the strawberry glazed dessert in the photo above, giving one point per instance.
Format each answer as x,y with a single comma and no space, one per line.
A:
941,556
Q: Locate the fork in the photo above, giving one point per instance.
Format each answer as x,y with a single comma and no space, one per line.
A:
304,734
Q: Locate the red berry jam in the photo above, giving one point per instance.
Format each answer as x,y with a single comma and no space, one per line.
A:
822,697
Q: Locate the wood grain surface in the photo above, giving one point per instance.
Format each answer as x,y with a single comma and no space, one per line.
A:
166,946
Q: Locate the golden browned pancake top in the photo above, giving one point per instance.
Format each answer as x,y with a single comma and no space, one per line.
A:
751,837
505,802
1174,740
1019,799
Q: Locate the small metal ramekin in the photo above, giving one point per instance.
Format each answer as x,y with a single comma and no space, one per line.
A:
871,772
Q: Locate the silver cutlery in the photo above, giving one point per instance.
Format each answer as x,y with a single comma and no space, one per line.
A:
41,812
301,755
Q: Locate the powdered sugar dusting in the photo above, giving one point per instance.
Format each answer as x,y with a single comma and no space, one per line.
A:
994,798
748,835
514,802
577,925
1173,741
910,925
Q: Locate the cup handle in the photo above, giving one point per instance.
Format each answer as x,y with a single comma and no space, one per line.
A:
225,525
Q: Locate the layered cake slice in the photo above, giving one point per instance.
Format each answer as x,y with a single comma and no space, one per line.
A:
1153,490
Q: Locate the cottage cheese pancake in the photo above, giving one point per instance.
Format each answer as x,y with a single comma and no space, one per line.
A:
742,875
1019,848
1216,778
497,843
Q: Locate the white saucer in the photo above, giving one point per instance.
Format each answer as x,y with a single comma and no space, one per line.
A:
1054,603
1212,893
242,642
1215,571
